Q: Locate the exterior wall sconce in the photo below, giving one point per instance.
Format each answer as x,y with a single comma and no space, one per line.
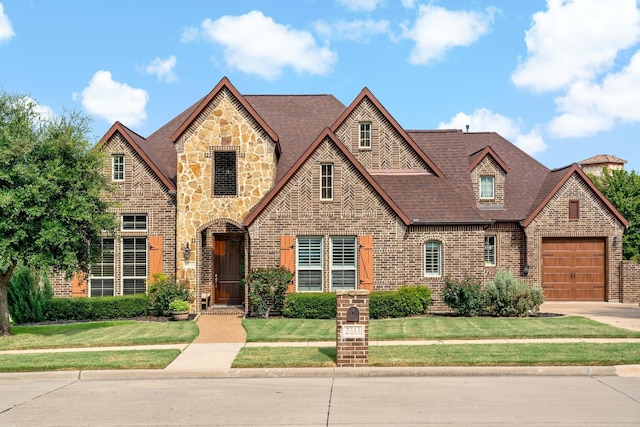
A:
187,252
525,269
615,241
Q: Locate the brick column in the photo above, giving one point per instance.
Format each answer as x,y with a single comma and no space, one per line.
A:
352,328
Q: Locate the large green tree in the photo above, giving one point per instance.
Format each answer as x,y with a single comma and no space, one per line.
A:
51,188
622,188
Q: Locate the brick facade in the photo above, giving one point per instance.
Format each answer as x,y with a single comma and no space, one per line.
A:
630,280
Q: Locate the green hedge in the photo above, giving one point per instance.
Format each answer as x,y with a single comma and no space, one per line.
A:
314,305
97,308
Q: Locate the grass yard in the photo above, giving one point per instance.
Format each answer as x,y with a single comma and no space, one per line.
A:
436,327
585,354
99,334
81,360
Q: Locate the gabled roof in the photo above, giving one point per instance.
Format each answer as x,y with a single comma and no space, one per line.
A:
552,184
140,146
366,93
326,134
477,157
225,83
602,159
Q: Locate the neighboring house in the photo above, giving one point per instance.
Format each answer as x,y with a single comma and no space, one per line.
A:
346,198
594,165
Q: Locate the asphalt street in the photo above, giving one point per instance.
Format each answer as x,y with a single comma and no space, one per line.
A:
321,401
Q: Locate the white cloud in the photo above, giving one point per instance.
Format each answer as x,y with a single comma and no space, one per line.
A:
163,69
255,44
588,108
6,30
409,4
358,31
484,120
112,100
360,5
189,34
575,40
437,30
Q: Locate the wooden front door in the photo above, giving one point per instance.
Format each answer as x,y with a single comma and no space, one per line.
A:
228,256
573,269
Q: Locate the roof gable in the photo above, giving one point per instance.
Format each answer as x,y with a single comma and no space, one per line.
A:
556,179
137,143
326,134
478,156
226,84
366,94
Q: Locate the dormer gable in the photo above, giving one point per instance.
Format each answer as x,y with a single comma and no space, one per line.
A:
376,140
488,177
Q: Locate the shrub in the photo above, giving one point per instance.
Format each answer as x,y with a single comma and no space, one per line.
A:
267,289
405,302
465,297
27,299
163,291
312,305
509,297
99,308
636,258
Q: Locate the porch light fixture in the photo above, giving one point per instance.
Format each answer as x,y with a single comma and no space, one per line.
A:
615,241
187,252
525,269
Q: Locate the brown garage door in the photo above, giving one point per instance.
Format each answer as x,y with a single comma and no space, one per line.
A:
573,269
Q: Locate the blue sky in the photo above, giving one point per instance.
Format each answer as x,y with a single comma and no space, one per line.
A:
558,78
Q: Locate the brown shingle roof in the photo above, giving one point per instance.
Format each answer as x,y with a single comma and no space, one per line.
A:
602,158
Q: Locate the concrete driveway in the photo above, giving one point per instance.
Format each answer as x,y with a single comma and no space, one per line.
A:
625,316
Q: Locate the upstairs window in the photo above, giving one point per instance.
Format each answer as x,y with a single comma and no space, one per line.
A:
486,187
326,181
225,175
117,167
365,135
433,259
309,263
490,251
134,222
343,263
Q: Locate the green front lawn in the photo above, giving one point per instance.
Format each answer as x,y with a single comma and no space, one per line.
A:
566,354
436,328
99,334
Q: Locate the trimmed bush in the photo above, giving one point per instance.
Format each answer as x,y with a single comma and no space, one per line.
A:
163,290
27,299
312,305
465,297
509,297
267,289
407,301
100,308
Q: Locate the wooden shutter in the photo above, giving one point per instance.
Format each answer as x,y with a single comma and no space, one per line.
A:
365,262
287,257
79,285
155,256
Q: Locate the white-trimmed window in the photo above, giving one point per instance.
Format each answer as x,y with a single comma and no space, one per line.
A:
490,251
309,264
134,265
134,222
343,262
433,259
117,167
326,181
102,278
365,135
486,187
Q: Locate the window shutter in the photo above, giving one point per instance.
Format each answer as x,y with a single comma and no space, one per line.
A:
365,262
287,257
155,255
79,285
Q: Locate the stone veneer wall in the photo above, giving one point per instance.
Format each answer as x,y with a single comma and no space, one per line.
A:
140,193
224,125
595,220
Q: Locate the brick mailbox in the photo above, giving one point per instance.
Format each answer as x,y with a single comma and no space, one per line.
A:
352,328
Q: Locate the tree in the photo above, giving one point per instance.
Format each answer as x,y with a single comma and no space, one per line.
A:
51,184
623,191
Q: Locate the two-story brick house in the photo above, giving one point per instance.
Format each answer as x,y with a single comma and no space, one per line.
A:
346,198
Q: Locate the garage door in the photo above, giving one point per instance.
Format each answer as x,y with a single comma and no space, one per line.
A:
573,269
